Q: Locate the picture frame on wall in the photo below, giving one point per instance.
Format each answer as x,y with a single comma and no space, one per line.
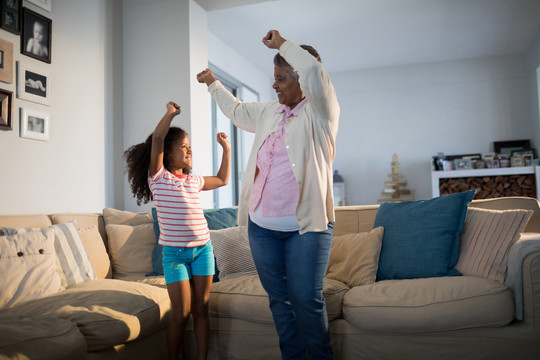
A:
44,4
10,15
34,124
6,113
36,38
33,84
6,61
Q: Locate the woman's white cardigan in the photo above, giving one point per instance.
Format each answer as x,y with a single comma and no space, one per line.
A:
310,137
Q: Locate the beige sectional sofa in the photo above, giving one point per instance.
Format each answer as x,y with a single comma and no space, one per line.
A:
122,314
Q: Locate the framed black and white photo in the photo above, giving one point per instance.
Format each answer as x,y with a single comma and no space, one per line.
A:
6,107
33,85
6,61
36,35
10,15
44,4
34,124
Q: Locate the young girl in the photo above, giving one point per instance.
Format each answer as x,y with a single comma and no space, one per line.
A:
159,170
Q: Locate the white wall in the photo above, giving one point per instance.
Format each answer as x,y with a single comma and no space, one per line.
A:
67,172
164,48
114,107
533,72
416,111
238,67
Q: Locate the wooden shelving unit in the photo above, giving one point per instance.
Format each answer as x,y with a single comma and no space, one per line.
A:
519,170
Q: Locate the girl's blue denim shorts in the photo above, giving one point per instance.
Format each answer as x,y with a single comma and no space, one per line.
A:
180,263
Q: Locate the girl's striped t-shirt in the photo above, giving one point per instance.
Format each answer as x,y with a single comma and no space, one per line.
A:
179,210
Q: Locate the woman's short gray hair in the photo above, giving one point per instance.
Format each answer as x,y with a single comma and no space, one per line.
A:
279,61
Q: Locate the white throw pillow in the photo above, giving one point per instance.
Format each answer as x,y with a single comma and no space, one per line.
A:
232,251
73,263
28,267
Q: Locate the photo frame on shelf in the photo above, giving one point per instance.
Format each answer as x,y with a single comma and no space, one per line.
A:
34,124
37,46
10,15
528,159
6,61
33,84
493,163
523,152
517,161
462,164
479,164
464,156
507,147
6,113
44,4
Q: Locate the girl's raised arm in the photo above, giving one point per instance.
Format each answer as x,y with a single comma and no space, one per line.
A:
158,137
222,177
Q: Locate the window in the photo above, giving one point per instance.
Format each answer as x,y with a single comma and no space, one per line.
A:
241,141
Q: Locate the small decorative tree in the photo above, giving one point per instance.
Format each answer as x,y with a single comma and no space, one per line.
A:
394,187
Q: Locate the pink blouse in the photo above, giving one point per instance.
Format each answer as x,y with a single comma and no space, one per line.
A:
275,185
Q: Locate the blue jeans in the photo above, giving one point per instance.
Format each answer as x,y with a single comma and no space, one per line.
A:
292,269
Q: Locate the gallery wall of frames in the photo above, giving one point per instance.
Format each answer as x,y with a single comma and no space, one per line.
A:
31,74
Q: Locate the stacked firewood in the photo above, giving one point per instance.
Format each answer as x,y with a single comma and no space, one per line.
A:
491,186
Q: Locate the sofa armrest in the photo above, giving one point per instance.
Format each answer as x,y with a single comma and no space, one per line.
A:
527,244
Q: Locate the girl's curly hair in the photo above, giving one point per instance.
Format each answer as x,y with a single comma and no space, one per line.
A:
137,159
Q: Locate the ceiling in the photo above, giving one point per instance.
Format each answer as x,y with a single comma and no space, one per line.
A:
360,34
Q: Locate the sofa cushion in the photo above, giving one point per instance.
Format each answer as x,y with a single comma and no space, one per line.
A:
486,241
108,312
158,280
41,337
131,248
429,304
232,251
354,258
73,262
421,238
121,217
244,298
25,221
96,251
27,267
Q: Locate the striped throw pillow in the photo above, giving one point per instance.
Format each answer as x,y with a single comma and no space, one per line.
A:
486,241
73,263
232,251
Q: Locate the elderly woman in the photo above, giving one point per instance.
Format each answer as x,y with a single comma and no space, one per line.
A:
286,198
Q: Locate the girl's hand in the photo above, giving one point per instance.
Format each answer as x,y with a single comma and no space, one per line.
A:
206,77
273,40
173,108
222,140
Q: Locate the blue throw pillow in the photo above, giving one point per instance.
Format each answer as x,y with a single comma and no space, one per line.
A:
421,238
221,218
216,218
157,253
